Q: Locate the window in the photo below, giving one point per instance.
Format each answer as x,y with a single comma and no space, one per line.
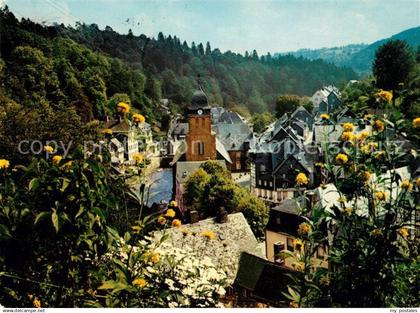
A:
262,167
278,247
259,182
238,165
200,148
290,244
278,220
271,184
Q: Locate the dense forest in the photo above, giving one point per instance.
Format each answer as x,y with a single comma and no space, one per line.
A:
90,69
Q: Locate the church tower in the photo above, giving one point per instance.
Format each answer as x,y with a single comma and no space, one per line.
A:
201,142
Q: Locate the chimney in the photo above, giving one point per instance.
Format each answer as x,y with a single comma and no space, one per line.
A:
192,216
222,216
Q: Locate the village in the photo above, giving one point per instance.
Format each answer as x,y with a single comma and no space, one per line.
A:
270,165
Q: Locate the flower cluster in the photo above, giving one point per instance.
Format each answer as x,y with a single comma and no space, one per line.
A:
123,107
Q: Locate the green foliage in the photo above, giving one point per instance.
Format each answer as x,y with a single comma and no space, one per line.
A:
392,64
261,120
287,104
54,223
370,240
211,188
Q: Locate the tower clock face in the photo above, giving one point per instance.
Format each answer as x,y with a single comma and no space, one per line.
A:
200,112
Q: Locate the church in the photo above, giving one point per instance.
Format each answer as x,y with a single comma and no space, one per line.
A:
199,146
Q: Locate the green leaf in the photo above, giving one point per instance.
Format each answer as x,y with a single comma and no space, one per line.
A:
33,184
41,216
66,183
54,218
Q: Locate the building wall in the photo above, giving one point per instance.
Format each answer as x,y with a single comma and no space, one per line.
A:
200,134
274,237
273,195
238,158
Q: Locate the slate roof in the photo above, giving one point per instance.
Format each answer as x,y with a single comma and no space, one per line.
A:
122,126
199,101
266,280
180,129
231,118
231,239
233,136
289,206
222,150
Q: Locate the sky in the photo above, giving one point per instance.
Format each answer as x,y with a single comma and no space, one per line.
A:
237,25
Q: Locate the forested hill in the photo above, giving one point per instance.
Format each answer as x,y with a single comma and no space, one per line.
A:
87,66
356,56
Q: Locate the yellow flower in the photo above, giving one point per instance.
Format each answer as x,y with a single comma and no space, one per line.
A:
403,231
135,229
4,163
406,184
362,135
155,258
380,195
385,95
342,158
417,181
294,304
170,213
299,266
368,117
67,165
416,122
176,223
184,232
376,232
161,220
348,211
140,282
324,116
57,159
123,107
369,147
380,155
107,131
366,176
324,280
138,118
138,157
348,127
48,149
298,245
208,234
173,203
342,200
304,229
378,126
347,136
302,179
320,164
37,303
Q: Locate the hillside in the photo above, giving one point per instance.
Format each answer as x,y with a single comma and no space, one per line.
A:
92,65
359,57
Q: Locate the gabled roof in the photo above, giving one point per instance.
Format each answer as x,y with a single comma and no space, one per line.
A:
303,162
300,109
266,280
231,118
117,126
233,136
222,150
